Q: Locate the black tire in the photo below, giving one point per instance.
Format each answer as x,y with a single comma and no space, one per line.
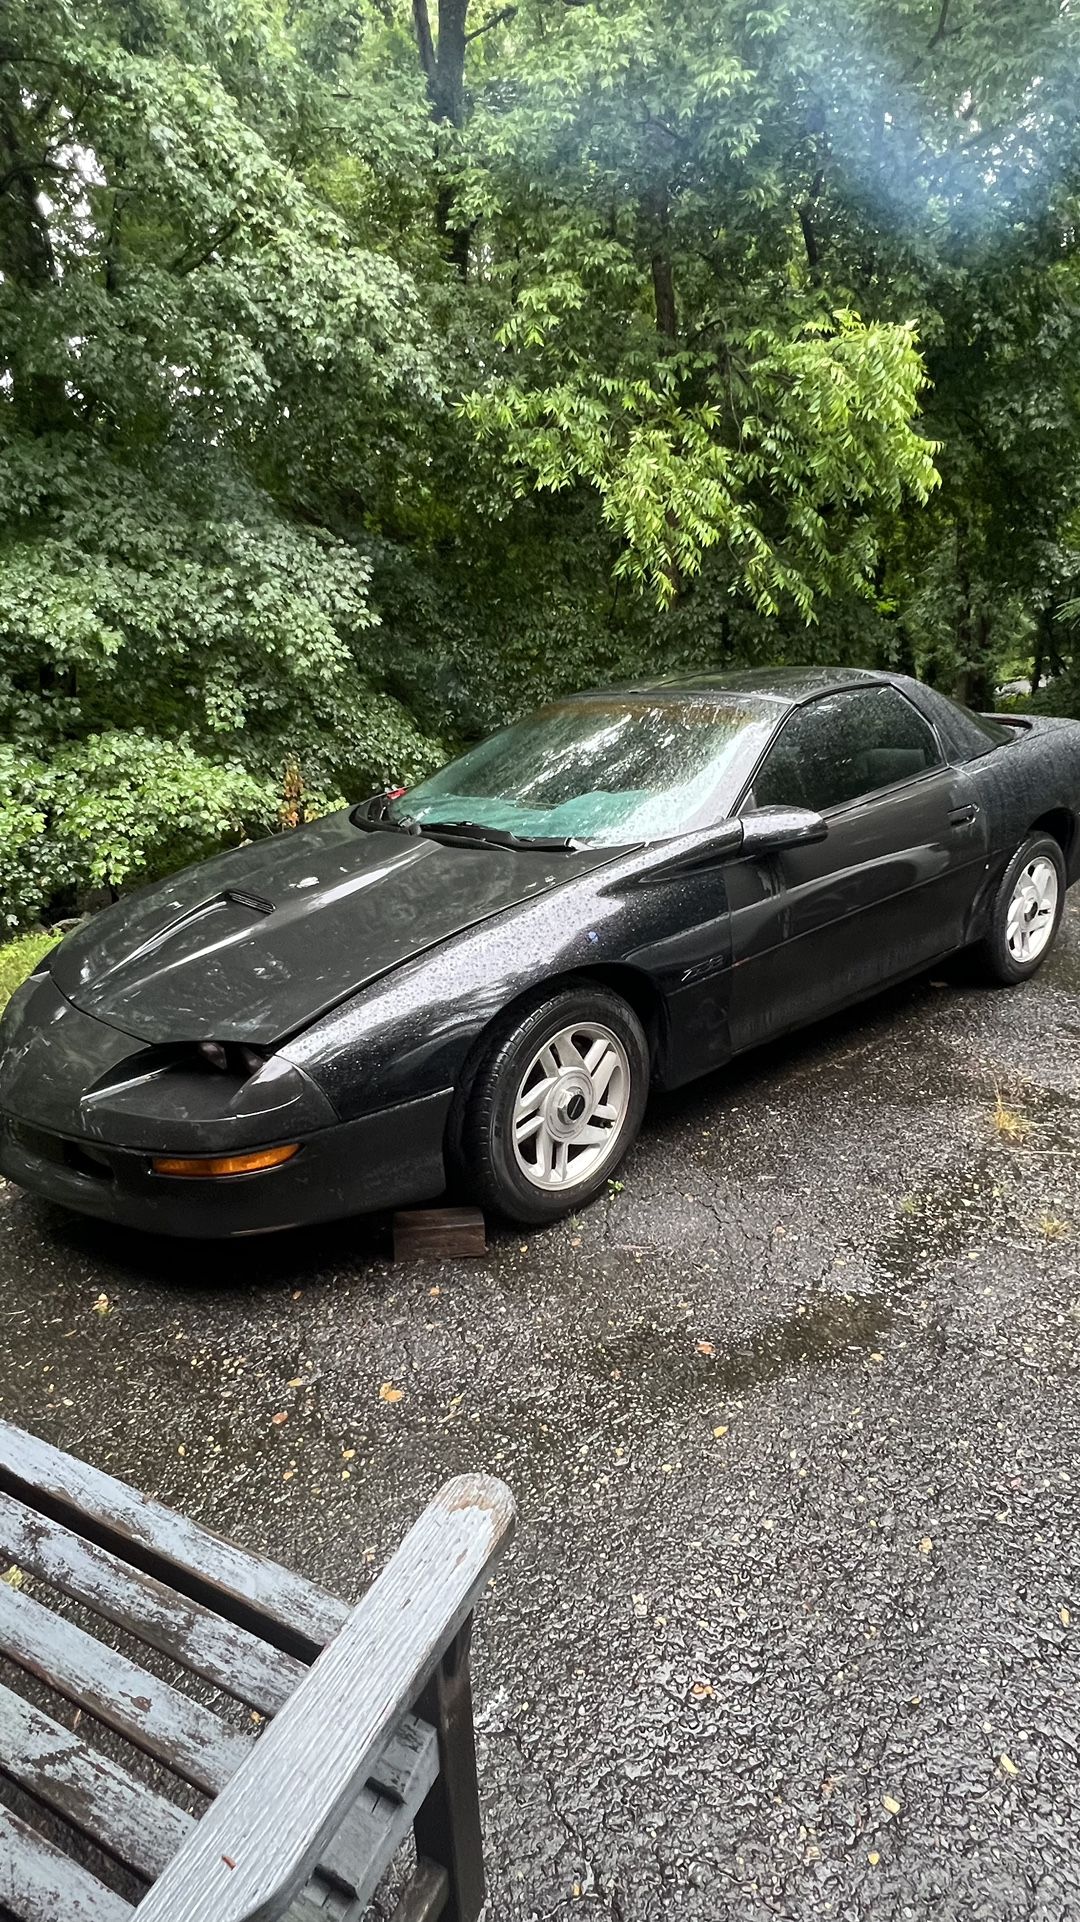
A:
482,1142
994,955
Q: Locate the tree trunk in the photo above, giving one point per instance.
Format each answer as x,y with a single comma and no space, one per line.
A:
663,280
809,232
1044,641
663,277
425,46
26,257
904,656
976,681
450,96
443,67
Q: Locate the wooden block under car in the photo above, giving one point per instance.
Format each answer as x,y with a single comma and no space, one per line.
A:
452,1234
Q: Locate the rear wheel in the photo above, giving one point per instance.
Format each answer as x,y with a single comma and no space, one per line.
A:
555,1105
1026,912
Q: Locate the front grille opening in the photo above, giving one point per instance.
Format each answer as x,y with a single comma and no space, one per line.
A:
36,1142
87,1161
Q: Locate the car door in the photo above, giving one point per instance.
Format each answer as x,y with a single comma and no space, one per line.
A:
889,889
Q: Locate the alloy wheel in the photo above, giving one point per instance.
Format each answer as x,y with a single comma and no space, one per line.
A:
1032,910
571,1105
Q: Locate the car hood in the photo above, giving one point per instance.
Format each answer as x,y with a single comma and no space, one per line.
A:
257,943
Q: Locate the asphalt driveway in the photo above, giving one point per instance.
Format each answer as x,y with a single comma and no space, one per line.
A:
792,1624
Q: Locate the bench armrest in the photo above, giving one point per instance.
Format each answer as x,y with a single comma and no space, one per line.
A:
257,1845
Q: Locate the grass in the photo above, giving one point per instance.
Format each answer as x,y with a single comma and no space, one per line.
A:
19,957
1009,1125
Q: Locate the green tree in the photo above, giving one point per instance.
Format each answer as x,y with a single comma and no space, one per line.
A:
369,372
186,322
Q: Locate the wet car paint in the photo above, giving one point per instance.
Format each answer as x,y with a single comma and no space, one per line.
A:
260,941
371,964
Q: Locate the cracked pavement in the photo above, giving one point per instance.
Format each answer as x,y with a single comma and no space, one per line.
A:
791,1626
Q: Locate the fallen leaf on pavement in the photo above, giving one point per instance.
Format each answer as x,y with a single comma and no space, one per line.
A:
1008,1765
103,1306
389,1393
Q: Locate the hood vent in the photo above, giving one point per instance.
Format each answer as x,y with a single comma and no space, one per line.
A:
244,900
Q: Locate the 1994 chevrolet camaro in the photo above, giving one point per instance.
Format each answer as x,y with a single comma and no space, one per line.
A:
480,980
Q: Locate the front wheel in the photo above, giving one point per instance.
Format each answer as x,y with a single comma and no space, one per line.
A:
1026,911
556,1104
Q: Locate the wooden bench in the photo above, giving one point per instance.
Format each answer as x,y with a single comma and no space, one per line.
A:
368,1712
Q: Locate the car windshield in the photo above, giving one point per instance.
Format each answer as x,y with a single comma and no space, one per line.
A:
609,770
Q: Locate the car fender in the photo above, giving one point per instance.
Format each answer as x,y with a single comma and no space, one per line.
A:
1034,778
666,924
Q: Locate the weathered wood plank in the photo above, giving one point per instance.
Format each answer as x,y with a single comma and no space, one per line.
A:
196,1637
187,1737
455,1234
39,1884
270,1600
237,1662
255,1849
358,1856
77,1782
335,1908
407,1765
448,1824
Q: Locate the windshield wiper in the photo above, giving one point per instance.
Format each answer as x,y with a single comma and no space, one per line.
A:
470,834
474,834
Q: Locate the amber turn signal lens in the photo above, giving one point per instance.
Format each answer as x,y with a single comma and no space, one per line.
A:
226,1164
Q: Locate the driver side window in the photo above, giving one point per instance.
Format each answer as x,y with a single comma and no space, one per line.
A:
844,746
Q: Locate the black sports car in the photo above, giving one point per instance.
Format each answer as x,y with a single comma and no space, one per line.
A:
480,979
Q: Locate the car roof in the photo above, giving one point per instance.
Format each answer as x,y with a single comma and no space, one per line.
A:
787,685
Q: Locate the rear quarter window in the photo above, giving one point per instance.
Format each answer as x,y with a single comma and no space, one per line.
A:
968,735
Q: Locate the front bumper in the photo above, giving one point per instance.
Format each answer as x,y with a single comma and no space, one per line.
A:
355,1167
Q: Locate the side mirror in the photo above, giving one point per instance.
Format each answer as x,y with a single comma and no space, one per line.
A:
771,830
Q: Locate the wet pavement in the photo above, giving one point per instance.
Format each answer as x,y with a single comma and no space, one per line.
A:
792,1623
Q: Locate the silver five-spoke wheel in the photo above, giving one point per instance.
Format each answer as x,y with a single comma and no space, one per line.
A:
571,1105
1033,909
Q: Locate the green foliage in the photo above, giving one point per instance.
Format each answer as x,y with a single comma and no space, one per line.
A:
366,375
113,810
823,421
19,958
29,869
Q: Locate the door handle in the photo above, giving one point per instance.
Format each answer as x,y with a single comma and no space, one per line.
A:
962,817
